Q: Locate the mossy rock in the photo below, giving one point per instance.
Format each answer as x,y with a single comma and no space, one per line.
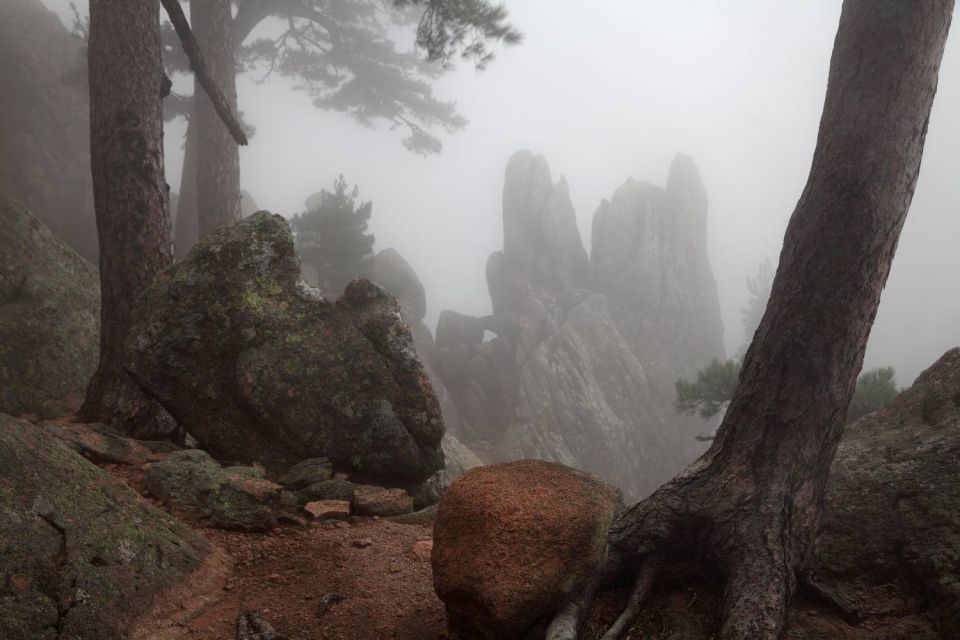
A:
306,473
328,490
49,318
259,367
81,555
235,497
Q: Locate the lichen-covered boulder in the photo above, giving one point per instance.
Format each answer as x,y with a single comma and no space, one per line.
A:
259,367
81,555
228,498
890,535
49,318
513,541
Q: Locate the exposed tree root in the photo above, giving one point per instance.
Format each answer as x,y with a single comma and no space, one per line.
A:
566,623
830,597
746,532
638,597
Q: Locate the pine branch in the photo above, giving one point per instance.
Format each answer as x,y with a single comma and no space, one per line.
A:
192,49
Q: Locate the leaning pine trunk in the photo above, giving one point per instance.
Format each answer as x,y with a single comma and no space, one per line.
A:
752,502
130,195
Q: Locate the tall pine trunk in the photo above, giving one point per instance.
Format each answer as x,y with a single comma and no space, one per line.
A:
130,196
210,187
187,224
752,502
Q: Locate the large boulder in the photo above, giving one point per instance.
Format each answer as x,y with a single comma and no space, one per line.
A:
45,123
259,367
395,274
81,555
49,317
513,541
890,535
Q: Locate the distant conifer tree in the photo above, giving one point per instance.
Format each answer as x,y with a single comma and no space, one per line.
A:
332,240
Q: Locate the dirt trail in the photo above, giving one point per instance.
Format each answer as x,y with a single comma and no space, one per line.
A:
285,575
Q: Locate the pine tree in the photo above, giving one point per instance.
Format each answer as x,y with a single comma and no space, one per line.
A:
332,240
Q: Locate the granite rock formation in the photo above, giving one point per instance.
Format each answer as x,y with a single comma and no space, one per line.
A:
586,350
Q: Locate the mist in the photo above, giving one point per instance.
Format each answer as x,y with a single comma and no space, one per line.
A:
589,341
737,87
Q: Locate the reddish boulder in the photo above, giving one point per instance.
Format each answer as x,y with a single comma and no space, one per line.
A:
512,541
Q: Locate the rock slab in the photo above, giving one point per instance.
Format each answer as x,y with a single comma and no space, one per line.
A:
49,318
81,555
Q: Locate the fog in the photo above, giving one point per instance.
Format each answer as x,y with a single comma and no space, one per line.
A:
609,91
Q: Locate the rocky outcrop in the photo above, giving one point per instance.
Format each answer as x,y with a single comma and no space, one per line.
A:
513,541
650,259
44,122
582,366
258,366
585,400
81,555
542,253
890,534
49,318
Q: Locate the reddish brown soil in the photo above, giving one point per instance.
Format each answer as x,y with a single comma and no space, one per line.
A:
389,591
284,576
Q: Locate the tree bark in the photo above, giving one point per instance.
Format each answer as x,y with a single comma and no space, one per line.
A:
186,230
753,501
130,196
210,185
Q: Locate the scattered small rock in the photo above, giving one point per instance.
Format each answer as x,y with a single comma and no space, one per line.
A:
362,543
306,473
328,601
333,489
423,549
328,509
378,501
251,626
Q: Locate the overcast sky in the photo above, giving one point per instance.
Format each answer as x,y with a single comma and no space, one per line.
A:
610,90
